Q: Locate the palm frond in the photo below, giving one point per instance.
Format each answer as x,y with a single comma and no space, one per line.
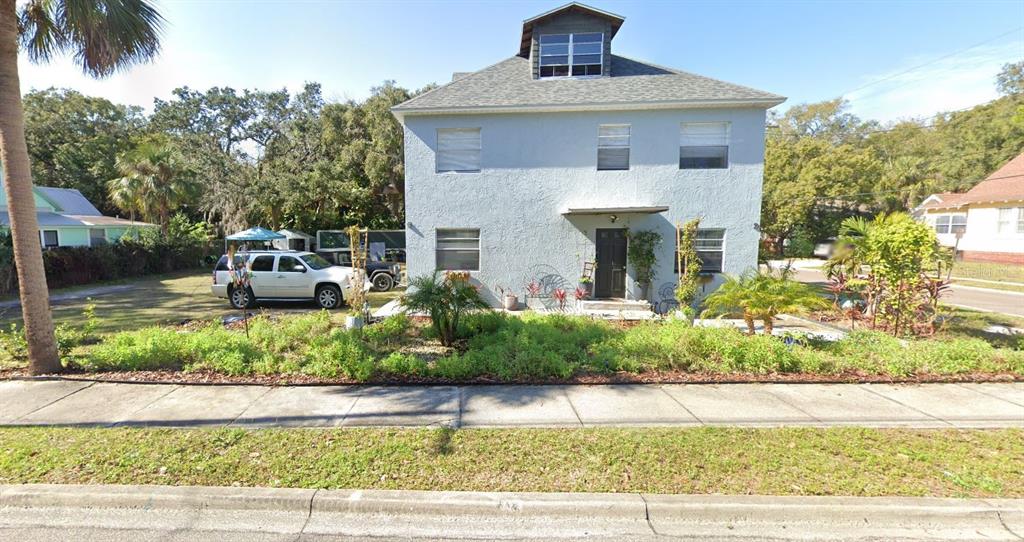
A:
104,36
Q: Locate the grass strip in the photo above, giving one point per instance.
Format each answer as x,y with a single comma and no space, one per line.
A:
989,285
786,461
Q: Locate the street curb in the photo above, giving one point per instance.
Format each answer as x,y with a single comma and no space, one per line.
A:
383,513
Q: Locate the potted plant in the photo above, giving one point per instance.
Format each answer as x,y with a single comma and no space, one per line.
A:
354,319
533,290
509,300
587,285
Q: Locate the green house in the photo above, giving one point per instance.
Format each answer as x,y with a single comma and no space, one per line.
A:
67,219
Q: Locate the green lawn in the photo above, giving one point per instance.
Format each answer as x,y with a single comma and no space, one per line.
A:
161,299
967,323
804,461
989,285
989,271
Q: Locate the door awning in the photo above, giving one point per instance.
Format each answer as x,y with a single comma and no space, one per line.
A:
614,210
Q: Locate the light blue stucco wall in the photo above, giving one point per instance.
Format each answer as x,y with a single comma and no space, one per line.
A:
535,166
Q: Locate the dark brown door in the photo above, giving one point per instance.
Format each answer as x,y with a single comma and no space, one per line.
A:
610,279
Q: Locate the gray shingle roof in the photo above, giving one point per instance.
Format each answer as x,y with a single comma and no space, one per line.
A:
69,201
49,220
509,85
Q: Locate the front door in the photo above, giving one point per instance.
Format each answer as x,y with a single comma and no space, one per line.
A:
610,278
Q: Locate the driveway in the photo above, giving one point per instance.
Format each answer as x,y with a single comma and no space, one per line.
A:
968,297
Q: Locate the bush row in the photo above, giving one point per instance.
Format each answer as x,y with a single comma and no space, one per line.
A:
533,347
72,266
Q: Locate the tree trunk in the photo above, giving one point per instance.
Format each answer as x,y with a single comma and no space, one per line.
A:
769,325
17,179
749,319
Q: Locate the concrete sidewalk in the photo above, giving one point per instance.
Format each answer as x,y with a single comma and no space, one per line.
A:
51,512
77,403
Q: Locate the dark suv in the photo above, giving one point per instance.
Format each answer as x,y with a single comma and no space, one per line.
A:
382,275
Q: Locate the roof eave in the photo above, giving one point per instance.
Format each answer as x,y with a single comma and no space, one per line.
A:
765,103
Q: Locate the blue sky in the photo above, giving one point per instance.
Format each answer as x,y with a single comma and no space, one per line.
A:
806,50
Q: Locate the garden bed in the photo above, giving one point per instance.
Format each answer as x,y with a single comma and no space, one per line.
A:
496,348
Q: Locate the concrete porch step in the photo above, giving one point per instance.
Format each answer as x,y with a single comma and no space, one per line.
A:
604,305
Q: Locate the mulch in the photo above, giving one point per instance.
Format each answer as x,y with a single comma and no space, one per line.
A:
660,377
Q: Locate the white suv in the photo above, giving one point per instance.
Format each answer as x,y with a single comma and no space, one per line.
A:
285,275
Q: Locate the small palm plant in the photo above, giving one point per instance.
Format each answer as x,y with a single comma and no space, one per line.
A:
763,296
445,300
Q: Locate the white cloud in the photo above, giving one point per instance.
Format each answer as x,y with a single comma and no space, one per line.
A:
957,82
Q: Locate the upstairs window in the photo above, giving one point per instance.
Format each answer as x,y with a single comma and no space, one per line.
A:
613,147
704,145
458,150
562,55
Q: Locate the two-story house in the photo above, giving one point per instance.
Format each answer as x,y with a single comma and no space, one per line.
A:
529,168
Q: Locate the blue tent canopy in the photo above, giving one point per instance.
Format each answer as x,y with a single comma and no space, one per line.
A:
255,234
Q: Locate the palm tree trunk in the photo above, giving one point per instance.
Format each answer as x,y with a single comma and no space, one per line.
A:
749,319
17,179
769,325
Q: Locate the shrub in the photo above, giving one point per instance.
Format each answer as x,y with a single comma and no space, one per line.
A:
147,349
445,299
390,330
185,246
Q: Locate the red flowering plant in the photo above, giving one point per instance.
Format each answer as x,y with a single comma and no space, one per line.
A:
533,289
560,295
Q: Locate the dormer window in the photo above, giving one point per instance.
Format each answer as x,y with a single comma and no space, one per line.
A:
564,55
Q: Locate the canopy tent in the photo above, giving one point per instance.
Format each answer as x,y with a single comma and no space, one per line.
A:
294,240
255,234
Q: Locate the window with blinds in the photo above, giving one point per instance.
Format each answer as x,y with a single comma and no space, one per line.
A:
704,145
458,250
613,147
710,247
458,150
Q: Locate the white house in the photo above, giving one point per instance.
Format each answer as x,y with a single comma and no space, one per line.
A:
530,168
988,218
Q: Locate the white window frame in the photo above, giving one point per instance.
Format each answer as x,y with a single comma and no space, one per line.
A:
728,143
942,223
569,55
698,250
602,143
958,221
478,149
1006,224
104,230
721,250
42,238
438,248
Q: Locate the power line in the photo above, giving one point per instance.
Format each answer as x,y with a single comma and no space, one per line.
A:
875,82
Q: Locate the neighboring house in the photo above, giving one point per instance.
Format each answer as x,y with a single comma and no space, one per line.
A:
67,219
988,217
529,168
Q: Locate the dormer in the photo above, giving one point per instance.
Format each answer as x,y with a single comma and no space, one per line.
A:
571,41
